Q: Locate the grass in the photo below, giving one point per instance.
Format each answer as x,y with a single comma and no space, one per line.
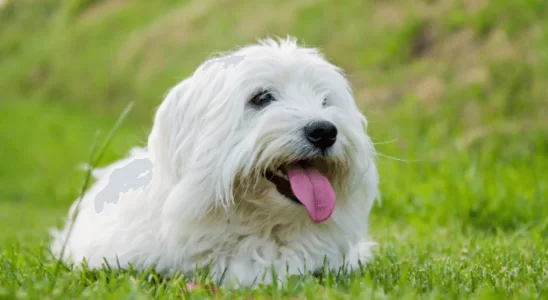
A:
455,90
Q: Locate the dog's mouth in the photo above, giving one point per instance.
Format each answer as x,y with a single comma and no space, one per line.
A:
303,183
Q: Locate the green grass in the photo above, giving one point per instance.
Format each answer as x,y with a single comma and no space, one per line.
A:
455,90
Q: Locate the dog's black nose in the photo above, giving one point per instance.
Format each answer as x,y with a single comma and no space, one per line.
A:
321,134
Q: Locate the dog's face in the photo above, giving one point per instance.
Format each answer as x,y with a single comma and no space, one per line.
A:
276,127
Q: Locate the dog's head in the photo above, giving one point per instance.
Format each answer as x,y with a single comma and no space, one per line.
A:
271,126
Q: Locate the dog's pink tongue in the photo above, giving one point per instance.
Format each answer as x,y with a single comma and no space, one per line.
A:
314,191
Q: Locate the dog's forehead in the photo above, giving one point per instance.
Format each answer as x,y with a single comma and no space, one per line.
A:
284,68
279,66
282,55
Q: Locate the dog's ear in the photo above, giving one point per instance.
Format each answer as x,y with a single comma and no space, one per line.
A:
162,139
193,130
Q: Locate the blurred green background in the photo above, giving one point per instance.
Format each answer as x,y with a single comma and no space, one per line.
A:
455,93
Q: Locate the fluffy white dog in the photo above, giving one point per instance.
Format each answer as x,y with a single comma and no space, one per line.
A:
258,160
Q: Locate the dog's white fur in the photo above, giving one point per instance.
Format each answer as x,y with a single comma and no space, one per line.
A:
208,203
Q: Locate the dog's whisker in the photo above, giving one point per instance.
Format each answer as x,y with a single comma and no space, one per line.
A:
385,143
395,158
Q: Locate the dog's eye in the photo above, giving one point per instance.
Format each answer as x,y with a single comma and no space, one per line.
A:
262,99
324,103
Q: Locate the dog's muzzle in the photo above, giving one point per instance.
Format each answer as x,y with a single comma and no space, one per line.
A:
303,183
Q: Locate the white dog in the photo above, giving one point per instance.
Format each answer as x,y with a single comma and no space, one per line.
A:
258,160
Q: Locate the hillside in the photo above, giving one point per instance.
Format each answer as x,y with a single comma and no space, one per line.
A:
455,93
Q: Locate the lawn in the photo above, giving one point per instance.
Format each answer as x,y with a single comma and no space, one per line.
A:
455,93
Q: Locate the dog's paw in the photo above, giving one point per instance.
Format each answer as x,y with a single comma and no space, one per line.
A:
360,254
